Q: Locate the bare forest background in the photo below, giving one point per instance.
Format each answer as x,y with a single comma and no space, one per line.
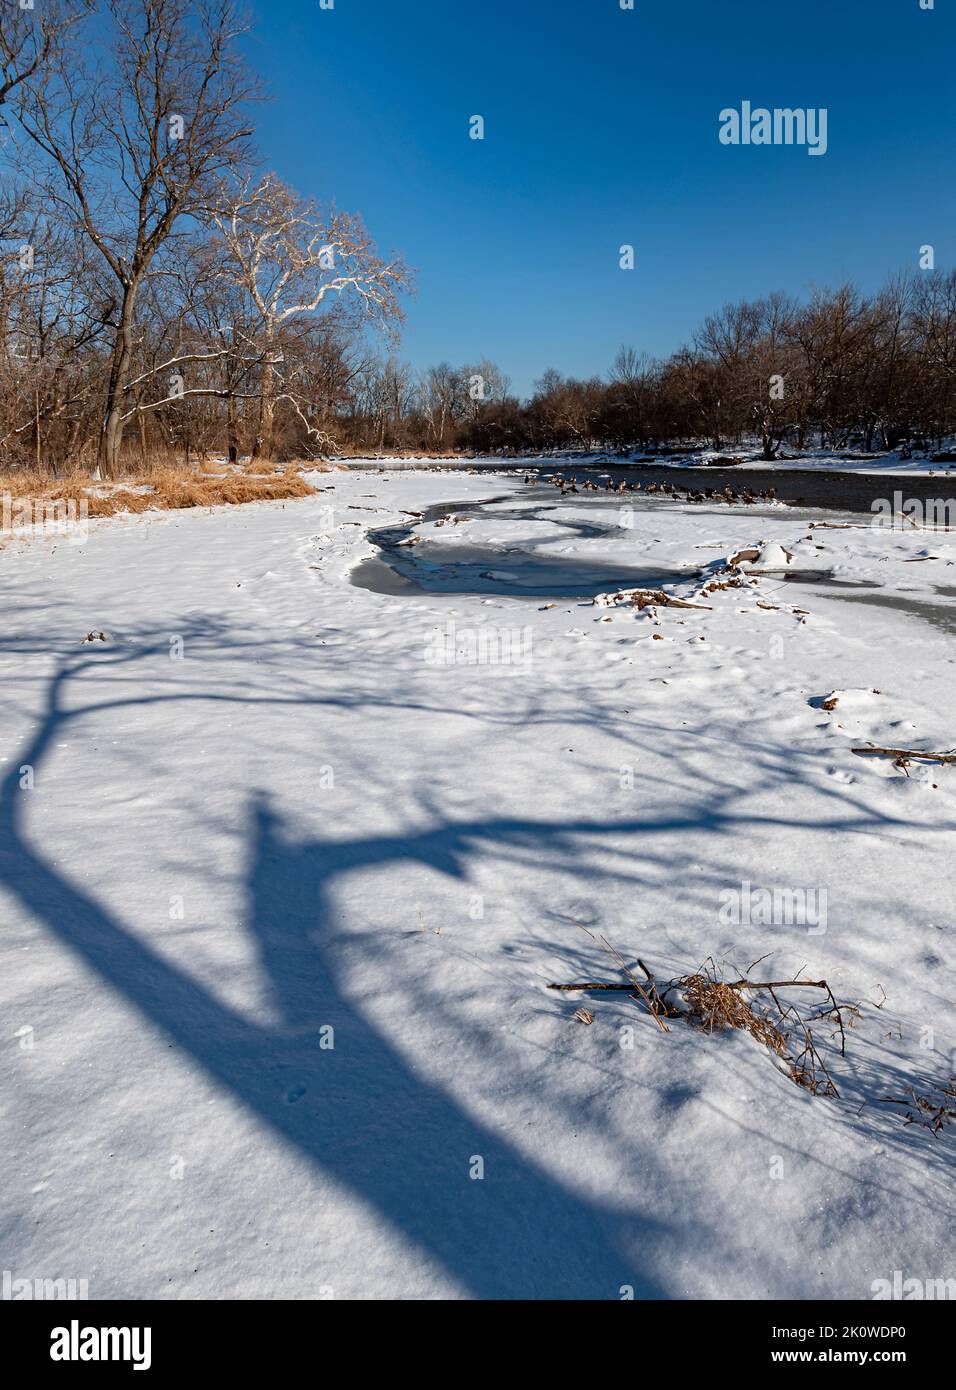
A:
162,297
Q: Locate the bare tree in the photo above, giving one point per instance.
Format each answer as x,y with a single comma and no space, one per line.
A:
442,403
135,141
631,394
29,39
294,261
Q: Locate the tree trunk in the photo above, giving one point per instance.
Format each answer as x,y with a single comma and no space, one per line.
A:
232,422
111,432
263,445
72,440
232,438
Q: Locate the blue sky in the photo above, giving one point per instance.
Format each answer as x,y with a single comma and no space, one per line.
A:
601,129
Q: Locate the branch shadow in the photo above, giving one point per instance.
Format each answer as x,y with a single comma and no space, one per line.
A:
359,1112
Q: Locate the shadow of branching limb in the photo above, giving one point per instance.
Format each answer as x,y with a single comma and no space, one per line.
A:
399,1142
358,1113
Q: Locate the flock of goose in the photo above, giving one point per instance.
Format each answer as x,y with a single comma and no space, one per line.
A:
567,486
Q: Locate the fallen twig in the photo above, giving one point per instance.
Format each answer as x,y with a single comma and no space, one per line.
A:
930,1111
592,984
635,982
776,984
917,755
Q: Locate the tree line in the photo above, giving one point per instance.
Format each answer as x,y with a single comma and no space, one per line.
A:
840,369
161,295
158,289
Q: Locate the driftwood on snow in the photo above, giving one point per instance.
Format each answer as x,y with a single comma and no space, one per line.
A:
646,598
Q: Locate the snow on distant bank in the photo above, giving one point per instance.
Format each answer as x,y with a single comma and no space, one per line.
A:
288,865
892,463
851,461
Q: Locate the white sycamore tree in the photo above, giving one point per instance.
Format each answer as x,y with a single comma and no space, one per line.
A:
294,260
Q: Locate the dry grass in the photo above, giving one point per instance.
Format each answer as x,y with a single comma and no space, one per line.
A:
167,488
714,1005
177,488
934,1111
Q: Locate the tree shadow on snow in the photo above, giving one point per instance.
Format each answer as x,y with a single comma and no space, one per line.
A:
358,1112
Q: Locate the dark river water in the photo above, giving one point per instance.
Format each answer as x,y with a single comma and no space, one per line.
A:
440,567
833,491
527,571
830,489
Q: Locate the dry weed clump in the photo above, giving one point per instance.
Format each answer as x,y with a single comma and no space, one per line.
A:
712,1004
715,1005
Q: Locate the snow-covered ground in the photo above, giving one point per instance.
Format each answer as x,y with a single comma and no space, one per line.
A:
297,864
827,460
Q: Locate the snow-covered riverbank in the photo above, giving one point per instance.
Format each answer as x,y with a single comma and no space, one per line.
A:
288,865
903,463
